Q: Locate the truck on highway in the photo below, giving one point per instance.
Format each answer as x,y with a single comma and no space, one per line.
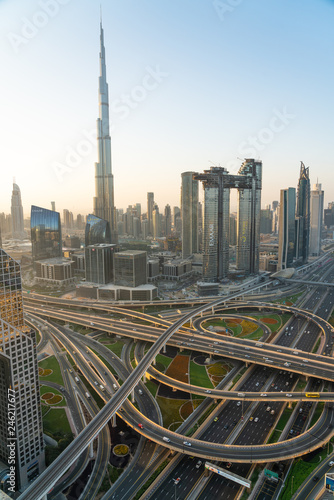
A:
77,380
87,395
101,387
312,394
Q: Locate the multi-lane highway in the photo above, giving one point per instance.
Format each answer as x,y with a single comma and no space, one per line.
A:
320,432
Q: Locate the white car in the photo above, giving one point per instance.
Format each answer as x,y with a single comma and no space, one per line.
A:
256,419
331,463
186,443
289,395
264,395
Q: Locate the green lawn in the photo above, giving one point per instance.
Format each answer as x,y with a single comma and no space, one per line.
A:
317,413
170,409
300,471
199,376
274,437
163,360
284,418
116,348
152,387
52,364
56,421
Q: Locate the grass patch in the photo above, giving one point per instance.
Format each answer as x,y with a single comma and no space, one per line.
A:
116,348
315,348
300,471
317,413
51,363
239,375
219,369
152,387
55,421
112,474
199,376
284,419
255,335
165,361
274,436
300,386
170,409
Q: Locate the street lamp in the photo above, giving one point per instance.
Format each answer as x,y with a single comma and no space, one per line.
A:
292,484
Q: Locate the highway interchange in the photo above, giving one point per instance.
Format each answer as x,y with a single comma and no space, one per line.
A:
257,382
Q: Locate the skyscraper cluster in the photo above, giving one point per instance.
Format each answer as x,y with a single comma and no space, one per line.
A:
296,212
217,183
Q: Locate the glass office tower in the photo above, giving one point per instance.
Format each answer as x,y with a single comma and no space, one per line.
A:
287,229
97,231
189,208
249,215
303,215
45,233
131,268
19,384
216,220
316,219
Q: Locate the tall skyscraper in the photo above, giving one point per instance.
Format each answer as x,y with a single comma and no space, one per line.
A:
303,215
104,181
248,218
215,223
45,233
150,208
22,439
287,228
217,184
317,210
156,222
168,221
17,213
189,210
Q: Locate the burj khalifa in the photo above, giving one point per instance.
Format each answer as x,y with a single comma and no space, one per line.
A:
104,181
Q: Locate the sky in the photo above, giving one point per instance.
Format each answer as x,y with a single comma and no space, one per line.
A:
192,84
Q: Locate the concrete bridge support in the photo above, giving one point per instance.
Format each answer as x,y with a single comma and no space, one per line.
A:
113,423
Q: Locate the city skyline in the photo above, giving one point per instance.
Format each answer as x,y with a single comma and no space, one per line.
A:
200,92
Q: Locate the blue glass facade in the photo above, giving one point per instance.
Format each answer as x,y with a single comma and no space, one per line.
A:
45,233
97,231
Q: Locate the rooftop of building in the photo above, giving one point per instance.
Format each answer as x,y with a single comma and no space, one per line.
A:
55,261
101,245
130,252
111,286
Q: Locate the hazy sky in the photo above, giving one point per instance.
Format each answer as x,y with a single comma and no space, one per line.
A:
192,83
